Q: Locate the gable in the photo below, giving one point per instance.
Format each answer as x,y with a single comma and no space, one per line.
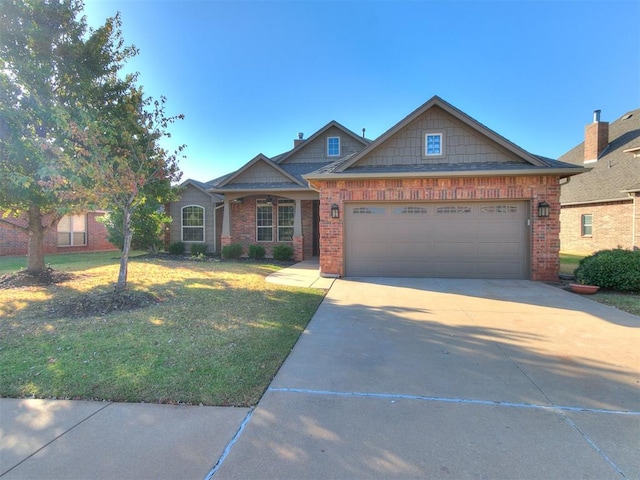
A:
260,172
314,150
461,144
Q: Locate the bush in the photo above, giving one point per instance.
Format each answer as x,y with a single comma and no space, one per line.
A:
233,251
198,249
257,252
282,253
177,248
616,269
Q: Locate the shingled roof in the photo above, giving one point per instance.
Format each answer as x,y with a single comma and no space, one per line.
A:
615,173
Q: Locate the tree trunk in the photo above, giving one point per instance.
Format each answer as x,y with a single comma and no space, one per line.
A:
126,246
35,243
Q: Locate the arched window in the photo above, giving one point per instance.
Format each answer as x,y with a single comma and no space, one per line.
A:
192,224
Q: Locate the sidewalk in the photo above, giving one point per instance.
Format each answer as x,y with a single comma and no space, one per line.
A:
302,274
103,440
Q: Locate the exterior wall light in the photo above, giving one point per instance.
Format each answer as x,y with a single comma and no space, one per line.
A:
543,209
335,211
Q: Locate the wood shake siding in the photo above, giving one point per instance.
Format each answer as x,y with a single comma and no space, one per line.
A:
316,151
461,144
261,173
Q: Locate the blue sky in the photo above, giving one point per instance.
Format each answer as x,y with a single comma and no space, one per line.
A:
248,76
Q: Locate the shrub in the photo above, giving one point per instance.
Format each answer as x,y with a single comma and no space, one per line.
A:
615,269
177,248
282,253
198,249
257,252
233,251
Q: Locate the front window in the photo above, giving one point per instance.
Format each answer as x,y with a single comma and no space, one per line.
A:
193,224
587,225
264,221
72,230
433,144
333,146
285,220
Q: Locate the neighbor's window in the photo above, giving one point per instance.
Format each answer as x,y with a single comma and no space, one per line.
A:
192,224
433,144
72,230
587,225
285,220
333,146
264,221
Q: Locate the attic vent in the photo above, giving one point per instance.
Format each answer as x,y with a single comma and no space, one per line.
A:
627,116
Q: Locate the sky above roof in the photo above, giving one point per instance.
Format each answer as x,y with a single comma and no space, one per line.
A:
250,75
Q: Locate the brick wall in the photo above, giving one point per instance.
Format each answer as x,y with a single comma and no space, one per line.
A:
612,227
545,242
14,241
243,228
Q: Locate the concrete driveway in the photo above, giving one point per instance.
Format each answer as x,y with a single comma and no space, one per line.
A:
452,379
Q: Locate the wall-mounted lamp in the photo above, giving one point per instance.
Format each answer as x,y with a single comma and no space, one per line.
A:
335,211
543,209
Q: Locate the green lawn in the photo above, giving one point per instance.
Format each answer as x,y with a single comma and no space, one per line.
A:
217,337
569,263
70,261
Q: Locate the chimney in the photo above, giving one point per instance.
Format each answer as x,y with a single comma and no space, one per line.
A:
299,140
596,138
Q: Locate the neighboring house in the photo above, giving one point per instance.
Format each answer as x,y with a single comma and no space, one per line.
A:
600,209
74,233
437,195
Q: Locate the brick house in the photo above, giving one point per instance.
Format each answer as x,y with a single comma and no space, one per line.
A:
600,209
73,233
438,194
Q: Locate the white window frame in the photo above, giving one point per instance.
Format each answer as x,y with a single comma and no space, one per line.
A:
329,154
584,224
183,226
286,203
72,231
425,151
262,203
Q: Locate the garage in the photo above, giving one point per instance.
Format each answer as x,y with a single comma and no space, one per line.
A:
447,239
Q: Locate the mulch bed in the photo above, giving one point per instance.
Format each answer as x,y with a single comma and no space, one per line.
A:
24,279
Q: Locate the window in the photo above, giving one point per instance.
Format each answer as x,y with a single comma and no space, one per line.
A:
433,144
454,210
368,210
411,211
285,220
333,146
192,224
587,225
264,221
72,230
500,209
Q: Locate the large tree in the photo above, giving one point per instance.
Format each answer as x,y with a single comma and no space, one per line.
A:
57,77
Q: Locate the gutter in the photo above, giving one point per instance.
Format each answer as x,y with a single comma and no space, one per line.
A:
590,202
559,172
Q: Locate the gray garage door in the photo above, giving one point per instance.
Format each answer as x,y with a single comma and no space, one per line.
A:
463,239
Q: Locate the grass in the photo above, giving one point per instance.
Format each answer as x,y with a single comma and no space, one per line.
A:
569,263
217,337
70,261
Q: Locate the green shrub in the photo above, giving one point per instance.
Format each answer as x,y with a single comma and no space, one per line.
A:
233,251
198,249
282,253
615,269
177,248
257,252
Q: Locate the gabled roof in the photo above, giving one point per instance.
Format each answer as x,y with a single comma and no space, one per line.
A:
203,187
259,158
463,117
524,163
281,158
617,170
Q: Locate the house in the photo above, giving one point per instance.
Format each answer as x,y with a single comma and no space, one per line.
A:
74,233
439,194
600,209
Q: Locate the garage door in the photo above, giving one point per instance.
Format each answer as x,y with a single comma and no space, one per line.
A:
464,240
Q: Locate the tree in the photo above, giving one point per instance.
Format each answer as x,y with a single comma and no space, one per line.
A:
56,75
123,159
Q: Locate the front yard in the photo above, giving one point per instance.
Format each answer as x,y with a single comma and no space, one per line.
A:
217,335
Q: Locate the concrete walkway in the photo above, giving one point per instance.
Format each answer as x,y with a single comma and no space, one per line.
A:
393,378
302,274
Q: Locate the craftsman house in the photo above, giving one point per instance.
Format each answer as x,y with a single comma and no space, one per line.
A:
438,195
600,209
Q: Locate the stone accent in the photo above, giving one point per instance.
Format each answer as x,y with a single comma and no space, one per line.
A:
545,241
